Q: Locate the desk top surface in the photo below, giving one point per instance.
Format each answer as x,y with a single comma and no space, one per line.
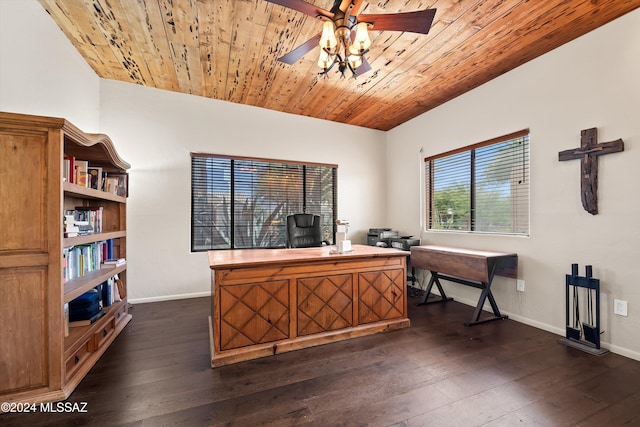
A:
471,264
257,257
463,251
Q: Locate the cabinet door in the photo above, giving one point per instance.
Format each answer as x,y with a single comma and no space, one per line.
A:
23,338
254,313
381,295
324,303
30,227
23,192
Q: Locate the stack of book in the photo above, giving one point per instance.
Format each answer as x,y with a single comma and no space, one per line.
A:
71,229
90,216
85,309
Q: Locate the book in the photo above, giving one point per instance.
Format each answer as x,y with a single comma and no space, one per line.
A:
107,297
122,291
65,309
70,169
87,322
95,177
81,177
111,186
81,171
109,263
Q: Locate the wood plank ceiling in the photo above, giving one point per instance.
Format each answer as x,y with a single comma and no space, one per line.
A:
228,50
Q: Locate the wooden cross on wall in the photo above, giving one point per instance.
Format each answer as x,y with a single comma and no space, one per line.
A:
588,154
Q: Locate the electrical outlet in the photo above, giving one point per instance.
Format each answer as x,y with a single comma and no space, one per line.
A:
520,285
620,307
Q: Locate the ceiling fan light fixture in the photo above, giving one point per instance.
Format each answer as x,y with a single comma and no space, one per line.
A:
344,38
328,39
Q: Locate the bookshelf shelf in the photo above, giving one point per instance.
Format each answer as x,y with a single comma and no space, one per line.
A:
43,359
75,287
91,238
78,335
89,193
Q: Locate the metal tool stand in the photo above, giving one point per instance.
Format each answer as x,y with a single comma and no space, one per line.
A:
583,336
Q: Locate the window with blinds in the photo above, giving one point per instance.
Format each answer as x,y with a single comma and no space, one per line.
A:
482,188
244,203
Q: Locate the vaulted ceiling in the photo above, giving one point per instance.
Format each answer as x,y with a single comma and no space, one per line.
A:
228,50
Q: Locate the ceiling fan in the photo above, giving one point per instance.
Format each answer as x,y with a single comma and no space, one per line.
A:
344,39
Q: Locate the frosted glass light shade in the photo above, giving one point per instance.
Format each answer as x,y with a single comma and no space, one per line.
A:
355,61
325,59
362,40
328,38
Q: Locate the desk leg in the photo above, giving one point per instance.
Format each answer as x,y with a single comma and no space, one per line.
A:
411,289
486,293
434,279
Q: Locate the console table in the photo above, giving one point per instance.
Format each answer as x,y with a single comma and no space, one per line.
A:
469,267
268,301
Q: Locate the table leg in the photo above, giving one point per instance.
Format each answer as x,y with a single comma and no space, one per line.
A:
486,293
427,292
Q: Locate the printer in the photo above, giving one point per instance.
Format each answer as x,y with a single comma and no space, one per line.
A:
383,235
404,243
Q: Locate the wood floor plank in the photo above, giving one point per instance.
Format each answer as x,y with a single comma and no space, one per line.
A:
437,373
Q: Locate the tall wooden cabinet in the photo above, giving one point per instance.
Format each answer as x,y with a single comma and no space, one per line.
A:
39,359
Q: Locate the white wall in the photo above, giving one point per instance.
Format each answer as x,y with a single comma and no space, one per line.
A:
41,73
157,130
590,82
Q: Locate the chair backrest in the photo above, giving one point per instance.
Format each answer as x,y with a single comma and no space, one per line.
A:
303,231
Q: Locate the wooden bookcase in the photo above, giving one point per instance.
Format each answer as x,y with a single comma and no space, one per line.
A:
40,363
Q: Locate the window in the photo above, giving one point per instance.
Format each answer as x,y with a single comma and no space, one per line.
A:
244,203
481,188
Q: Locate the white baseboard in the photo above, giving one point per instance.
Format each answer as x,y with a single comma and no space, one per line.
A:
169,297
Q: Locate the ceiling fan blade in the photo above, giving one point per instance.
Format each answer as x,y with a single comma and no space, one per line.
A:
364,67
357,4
297,53
303,6
413,22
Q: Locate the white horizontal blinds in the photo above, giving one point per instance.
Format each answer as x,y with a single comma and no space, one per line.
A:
244,202
210,203
484,187
265,193
452,192
320,197
502,187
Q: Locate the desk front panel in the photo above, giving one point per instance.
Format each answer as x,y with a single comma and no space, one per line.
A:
325,303
262,310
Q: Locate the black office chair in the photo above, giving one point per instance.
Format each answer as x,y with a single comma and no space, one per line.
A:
303,231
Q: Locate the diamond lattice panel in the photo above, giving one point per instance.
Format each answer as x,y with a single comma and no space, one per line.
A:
254,313
381,295
324,303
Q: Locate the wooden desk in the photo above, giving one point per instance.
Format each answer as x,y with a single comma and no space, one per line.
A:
468,267
268,301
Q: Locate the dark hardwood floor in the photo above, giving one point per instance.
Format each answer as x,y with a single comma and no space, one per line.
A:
435,373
